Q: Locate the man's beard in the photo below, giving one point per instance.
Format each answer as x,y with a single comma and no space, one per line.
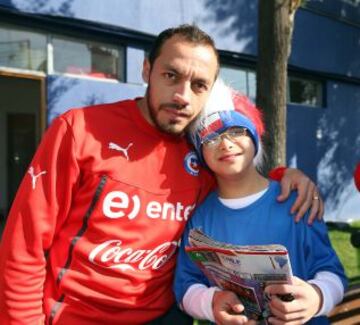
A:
170,127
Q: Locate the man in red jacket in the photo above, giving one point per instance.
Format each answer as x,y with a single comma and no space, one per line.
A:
92,234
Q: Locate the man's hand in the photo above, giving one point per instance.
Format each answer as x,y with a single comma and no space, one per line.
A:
308,195
227,309
307,302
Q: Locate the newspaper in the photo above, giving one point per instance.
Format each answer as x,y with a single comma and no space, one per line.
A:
245,270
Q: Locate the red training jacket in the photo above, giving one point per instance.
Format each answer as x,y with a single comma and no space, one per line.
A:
92,234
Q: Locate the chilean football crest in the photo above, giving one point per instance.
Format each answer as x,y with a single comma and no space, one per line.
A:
191,163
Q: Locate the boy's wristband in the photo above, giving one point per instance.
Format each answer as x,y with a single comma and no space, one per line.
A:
357,176
276,174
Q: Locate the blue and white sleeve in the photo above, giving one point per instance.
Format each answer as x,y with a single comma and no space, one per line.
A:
324,267
187,273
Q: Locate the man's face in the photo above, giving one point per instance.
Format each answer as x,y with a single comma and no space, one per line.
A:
179,83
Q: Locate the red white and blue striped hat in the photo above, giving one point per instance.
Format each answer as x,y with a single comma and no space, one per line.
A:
226,108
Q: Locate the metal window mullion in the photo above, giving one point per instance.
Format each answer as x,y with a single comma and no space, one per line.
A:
247,82
123,64
288,89
50,55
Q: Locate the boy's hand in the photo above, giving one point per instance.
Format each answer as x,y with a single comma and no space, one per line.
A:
308,194
227,309
307,302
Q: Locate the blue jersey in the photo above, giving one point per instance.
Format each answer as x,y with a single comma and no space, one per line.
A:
265,221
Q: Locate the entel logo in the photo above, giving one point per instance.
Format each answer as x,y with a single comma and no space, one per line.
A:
118,204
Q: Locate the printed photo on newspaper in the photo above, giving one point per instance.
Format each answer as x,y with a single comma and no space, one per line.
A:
245,270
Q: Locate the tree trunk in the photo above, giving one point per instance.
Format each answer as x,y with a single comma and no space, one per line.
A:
275,27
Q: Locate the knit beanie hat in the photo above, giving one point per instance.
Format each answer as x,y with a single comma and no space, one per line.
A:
224,109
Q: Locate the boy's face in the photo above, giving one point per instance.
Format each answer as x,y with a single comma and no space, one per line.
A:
232,156
179,83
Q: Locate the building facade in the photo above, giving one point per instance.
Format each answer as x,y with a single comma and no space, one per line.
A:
60,54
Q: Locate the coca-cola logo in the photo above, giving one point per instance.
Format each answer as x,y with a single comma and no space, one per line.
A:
112,255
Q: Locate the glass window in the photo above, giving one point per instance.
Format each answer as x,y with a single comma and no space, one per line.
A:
22,49
305,92
240,79
251,82
88,58
234,77
300,90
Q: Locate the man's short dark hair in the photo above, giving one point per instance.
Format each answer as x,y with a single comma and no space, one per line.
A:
190,33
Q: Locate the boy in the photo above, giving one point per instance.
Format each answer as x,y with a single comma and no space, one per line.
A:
243,211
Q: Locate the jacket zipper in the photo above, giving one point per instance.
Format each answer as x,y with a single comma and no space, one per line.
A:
81,231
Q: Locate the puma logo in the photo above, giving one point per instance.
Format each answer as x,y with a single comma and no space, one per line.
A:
116,147
34,177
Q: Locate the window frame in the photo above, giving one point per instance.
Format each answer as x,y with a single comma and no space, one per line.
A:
249,65
16,28
320,97
121,60
78,28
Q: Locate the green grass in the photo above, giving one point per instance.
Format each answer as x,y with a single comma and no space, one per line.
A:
349,255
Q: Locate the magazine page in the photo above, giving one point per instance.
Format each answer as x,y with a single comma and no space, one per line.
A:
245,270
